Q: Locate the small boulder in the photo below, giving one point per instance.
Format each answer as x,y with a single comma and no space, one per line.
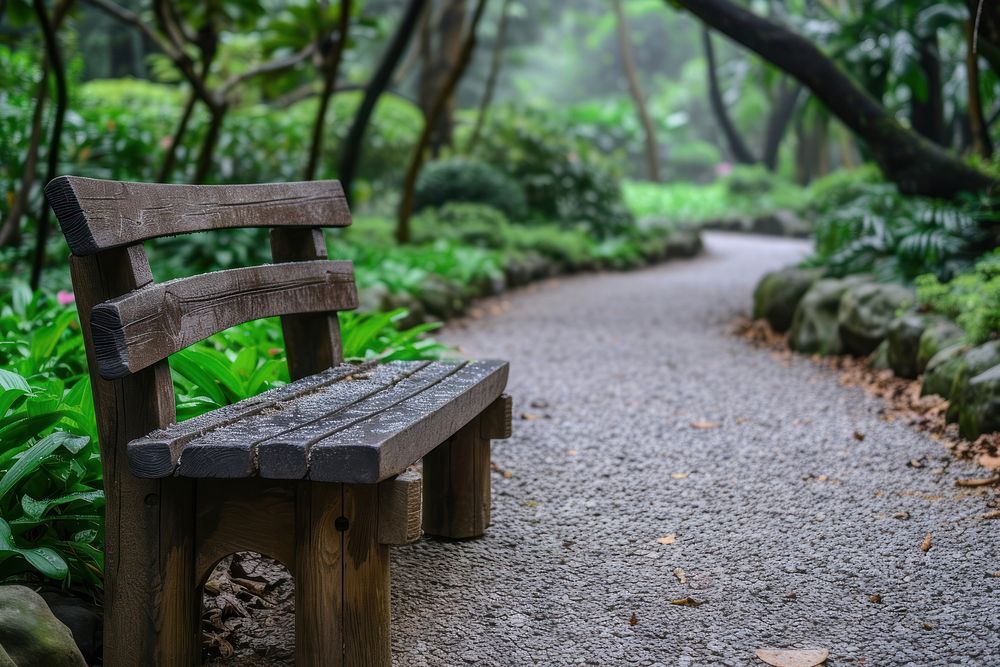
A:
684,242
879,359
939,376
778,294
83,619
979,412
781,223
866,311
938,335
903,343
975,361
814,325
442,298
31,635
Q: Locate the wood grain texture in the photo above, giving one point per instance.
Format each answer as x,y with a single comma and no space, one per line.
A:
386,443
399,515
97,215
156,454
149,610
498,419
366,580
312,340
135,331
319,576
457,485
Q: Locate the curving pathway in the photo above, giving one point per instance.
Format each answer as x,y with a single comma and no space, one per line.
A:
785,523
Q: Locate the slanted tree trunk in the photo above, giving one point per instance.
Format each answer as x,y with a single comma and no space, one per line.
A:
351,154
331,57
491,78
980,132
10,232
737,147
417,160
53,55
778,121
927,115
915,164
170,159
211,139
628,62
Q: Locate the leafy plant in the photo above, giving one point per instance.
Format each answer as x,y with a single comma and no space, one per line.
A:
469,181
972,299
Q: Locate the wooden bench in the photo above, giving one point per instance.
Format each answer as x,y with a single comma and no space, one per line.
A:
314,473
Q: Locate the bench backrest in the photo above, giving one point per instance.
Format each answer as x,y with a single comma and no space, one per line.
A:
132,324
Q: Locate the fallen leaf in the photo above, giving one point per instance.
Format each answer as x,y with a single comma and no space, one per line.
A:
679,573
925,546
507,474
540,404
528,416
875,599
902,516
927,626
667,539
995,514
915,463
571,452
679,475
978,481
634,621
989,461
704,425
687,602
859,436
793,657
791,596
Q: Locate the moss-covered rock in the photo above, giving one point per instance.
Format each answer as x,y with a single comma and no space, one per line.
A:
865,313
31,635
683,243
903,343
937,336
975,361
979,412
939,376
814,326
781,223
879,359
778,294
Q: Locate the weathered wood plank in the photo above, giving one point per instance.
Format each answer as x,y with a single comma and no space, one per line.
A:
135,331
287,453
399,513
366,581
312,340
156,454
234,450
457,485
97,214
498,419
319,576
384,444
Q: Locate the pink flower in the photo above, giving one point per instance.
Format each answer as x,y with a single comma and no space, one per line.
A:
723,169
166,142
65,298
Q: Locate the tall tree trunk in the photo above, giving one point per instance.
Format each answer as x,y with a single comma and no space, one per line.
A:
331,66
54,57
209,143
980,132
10,232
351,153
927,115
737,147
417,160
777,123
451,30
628,62
170,159
915,164
491,79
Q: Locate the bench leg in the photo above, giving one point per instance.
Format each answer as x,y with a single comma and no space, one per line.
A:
342,603
456,485
151,608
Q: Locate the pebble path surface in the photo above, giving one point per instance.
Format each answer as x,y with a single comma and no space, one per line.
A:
643,418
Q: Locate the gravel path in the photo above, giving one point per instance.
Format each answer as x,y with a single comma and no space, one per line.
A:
785,522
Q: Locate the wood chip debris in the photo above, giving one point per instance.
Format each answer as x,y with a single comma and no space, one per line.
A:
667,539
777,657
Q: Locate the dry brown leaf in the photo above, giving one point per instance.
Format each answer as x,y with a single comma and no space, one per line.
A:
995,514
687,602
859,436
667,539
902,516
679,475
507,474
634,621
793,657
989,461
679,573
925,546
571,452
529,416
702,424
875,599
978,481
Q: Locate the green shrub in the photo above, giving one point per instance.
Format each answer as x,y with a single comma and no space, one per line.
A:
469,181
476,225
896,237
564,176
842,186
569,249
972,299
750,181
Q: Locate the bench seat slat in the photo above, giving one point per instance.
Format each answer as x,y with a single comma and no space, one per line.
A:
377,448
237,443
156,454
349,424
97,215
147,325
